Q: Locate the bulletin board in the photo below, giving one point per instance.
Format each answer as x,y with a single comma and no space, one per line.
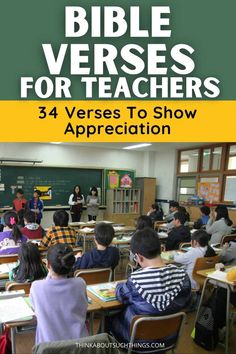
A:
210,191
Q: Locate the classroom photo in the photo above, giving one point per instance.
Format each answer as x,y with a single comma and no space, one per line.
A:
117,248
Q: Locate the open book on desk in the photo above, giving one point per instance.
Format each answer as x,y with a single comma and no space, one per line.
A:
15,309
105,292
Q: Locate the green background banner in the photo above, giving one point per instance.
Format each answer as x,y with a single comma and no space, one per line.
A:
208,26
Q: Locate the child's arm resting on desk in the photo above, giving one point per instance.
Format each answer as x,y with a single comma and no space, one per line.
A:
124,292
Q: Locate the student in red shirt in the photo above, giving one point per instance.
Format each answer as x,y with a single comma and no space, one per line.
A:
32,230
20,202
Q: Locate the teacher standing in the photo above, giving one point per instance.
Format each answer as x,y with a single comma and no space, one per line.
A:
76,202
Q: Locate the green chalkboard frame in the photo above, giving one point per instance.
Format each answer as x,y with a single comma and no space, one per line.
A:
61,179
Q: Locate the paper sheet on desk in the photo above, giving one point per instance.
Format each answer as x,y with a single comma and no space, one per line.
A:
14,309
88,229
7,267
162,234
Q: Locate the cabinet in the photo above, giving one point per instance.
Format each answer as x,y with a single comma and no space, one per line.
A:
147,186
123,205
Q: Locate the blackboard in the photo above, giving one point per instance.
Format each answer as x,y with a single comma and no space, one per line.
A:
61,180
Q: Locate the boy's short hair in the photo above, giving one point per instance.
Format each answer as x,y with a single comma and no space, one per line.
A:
205,210
174,204
182,217
20,191
144,221
38,192
29,216
201,237
146,243
104,233
61,218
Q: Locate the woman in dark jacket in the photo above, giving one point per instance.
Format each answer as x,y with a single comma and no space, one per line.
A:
155,289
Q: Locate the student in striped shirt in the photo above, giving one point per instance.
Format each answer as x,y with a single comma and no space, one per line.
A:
154,289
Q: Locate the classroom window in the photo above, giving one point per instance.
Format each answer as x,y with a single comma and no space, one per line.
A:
189,161
209,179
216,159
186,188
206,159
230,190
232,158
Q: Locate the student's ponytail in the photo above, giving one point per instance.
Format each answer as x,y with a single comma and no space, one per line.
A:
61,258
11,219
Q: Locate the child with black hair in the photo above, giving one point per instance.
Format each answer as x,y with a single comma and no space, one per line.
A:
76,201
60,303
155,213
203,220
61,232
155,289
200,248
180,233
11,237
31,229
219,224
144,221
104,255
19,202
30,266
36,205
92,202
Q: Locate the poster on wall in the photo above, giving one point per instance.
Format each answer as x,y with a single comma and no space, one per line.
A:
119,179
46,192
209,191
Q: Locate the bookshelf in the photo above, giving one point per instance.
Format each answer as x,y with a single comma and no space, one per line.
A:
123,204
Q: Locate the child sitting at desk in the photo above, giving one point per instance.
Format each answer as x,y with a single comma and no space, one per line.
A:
11,238
200,248
60,303
203,220
179,233
30,267
155,289
61,232
104,255
31,229
155,213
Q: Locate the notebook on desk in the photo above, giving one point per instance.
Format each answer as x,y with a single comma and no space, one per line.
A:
15,309
105,292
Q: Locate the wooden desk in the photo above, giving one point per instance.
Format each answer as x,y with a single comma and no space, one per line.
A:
81,224
105,305
32,322
222,283
89,234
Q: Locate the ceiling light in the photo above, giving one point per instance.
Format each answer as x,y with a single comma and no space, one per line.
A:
136,146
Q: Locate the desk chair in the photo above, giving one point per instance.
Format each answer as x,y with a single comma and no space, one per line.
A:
184,244
201,264
9,258
227,238
155,329
11,285
95,275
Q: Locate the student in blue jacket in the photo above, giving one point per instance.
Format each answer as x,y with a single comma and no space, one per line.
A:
103,255
36,205
154,289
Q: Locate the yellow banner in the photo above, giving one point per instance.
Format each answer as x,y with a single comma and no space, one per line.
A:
118,121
